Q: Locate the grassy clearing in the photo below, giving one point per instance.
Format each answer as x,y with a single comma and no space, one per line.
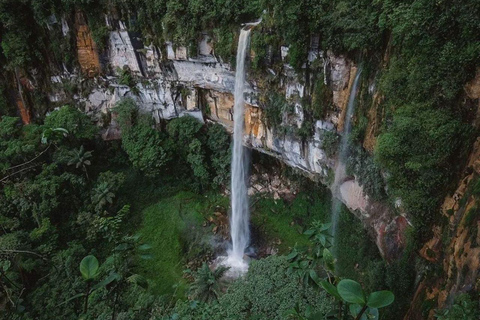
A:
168,226
273,222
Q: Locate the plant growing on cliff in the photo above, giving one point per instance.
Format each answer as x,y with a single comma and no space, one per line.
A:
367,171
330,140
464,308
76,122
127,79
218,143
276,107
144,145
419,151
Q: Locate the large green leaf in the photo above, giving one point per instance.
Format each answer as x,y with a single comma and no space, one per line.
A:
315,277
355,310
369,314
292,255
89,267
330,288
351,291
329,260
380,299
144,247
309,232
112,277
72,298
325,226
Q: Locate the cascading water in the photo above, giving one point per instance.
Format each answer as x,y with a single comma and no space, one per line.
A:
343,152
239,221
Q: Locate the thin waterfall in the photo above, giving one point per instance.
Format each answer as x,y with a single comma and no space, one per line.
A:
340,169
239,221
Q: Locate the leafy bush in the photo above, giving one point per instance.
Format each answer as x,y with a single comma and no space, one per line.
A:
218,143
144,145
224,43
330,140
464,308
265,292
275,108
367,172
77,123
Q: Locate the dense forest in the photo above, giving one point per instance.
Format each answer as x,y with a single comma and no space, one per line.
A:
129,228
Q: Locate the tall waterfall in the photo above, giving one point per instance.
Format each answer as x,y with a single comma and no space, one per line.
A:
343,153
239,221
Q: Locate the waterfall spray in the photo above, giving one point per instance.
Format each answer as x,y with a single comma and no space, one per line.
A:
343,152
239,221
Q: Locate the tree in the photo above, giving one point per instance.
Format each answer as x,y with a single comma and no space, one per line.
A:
265,292
145,146
208,284
218,143
77,123
80,158
104,191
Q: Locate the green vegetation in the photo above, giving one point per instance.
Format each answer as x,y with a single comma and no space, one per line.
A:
265,292
317,261
419,152
167,226
135,209
280,220
464,307
55,179
208,284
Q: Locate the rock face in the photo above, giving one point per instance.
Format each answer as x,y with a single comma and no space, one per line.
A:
86,48
176,84
456,246
24,112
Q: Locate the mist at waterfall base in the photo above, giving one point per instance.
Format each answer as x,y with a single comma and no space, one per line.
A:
340,170
239,220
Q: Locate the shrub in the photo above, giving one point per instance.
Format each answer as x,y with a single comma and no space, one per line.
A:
144,145
367,172
265,292
73,120
464,308
218,143
330,142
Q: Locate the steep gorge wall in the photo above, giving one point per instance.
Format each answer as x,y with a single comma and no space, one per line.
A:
455,245
168,82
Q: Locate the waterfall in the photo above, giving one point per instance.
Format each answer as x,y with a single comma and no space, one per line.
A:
340,169
239,221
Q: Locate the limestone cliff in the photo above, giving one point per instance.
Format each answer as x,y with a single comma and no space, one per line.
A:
169,82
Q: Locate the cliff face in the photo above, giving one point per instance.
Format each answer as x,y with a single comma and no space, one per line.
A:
455,245
87,52
169,82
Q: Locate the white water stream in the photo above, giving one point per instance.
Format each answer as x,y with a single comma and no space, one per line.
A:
239,221
343,152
